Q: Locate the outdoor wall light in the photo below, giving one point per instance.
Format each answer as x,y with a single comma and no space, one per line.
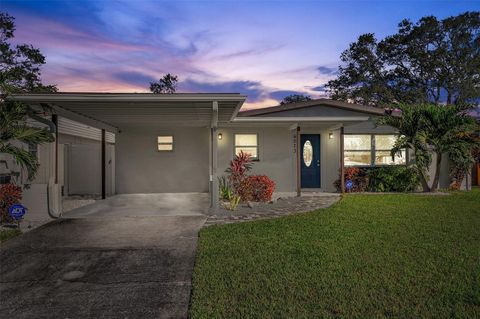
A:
330,135
220,136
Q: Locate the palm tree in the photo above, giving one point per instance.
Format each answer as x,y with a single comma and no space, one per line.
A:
412,136
13,127
450,131
440,129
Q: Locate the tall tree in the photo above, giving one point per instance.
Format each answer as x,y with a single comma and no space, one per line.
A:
19,73
430,61
19,64
295,98
165,85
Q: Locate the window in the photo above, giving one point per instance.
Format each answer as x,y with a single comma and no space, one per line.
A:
248,143
383,146
358,150
165,143
368,150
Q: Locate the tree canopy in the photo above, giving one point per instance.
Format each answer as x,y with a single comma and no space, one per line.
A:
430,61
19,73
165,85
294,98
19,64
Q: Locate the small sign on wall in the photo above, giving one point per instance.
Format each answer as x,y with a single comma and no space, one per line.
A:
17,211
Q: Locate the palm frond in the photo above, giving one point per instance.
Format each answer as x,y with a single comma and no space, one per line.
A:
28,134
22,157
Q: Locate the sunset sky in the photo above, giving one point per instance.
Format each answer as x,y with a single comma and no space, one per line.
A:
263,49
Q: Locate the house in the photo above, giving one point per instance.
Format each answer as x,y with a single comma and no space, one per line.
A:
118,143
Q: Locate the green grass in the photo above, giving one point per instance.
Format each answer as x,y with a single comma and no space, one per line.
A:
6,234
369,256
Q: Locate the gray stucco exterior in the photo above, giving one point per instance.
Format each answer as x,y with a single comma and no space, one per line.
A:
141,168
132,123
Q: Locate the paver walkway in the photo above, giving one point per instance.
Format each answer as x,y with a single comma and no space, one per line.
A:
281,207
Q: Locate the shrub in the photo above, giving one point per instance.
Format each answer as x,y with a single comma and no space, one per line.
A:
233,202
358,177
224,188
9,194
239,167
381,179
258,188
392,179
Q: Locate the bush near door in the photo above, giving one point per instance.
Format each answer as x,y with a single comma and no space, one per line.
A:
257,188
381,179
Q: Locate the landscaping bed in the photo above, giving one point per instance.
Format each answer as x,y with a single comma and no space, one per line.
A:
7,233
398,255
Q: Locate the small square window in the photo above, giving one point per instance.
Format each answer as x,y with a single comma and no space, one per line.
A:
165,143
248,143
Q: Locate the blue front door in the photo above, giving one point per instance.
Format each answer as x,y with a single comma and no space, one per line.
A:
310,160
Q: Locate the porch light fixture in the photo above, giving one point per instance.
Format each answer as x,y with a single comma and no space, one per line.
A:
330,135
220,136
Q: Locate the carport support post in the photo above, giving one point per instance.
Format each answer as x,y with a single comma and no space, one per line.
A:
104,144
55,121
214,201
342,161
298,160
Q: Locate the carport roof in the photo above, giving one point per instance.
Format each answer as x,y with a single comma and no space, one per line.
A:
111,111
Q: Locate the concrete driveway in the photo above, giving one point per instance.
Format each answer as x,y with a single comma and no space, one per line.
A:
130,256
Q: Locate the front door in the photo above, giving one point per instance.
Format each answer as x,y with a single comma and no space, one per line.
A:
310,160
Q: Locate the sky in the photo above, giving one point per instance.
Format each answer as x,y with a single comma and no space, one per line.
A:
264,49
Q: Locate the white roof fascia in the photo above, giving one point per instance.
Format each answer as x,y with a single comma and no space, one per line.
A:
126,97
302,119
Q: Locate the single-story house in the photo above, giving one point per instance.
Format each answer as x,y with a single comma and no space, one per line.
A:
118,143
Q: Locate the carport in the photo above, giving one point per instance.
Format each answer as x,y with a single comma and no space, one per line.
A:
143,122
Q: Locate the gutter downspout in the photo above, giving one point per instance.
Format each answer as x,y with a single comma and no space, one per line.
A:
53,129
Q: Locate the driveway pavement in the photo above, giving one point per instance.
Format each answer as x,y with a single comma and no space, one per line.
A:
130,256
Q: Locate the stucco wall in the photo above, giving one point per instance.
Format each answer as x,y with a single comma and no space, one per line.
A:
140,168
276,157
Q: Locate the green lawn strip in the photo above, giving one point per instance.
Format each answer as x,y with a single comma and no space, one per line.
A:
6,234
367,256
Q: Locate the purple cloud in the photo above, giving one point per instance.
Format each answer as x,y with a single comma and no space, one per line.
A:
326,70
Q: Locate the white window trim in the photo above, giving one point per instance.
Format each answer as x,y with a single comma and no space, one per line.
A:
235,146
172,143
373,151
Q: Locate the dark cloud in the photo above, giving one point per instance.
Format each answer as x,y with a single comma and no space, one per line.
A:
320,88
326,70
253,89
279,95
135,78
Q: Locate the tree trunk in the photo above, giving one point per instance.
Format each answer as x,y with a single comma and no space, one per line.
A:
423,181
437,173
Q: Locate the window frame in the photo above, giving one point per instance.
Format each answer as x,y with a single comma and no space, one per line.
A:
33,149
235,146
362,150
172,143
373,151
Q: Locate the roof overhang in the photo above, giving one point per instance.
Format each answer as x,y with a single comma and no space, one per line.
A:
365,109
324,122
112,111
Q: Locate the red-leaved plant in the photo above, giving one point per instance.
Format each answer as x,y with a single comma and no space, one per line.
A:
257,188
9,194
239,167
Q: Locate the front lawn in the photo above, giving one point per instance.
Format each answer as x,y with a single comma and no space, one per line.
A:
367,256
